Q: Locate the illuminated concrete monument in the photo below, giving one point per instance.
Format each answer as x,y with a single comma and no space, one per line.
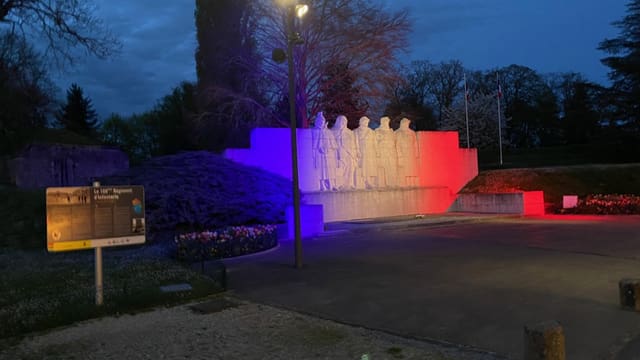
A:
366,173
408,155
347,154
387,154
367,169
324,149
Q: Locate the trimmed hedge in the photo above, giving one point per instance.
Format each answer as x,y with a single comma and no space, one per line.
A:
200,190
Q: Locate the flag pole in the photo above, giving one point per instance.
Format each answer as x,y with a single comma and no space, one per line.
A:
466,108
499,120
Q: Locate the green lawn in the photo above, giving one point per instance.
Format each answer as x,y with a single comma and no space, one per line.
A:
617,151
578,180
22,218
41,290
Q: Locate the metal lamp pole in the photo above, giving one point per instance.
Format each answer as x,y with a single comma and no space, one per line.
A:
291,37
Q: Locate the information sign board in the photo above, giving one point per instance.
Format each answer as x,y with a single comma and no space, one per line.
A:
91,217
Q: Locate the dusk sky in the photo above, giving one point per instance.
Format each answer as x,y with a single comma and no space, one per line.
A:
158,38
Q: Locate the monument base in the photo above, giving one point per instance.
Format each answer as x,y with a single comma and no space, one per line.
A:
363,204
311,221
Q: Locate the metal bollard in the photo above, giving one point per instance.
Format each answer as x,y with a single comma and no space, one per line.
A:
544,341
629,292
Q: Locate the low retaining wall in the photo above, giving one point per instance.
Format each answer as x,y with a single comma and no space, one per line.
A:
363,204
523,203
43,165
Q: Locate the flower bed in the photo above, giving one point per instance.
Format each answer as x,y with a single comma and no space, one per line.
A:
607,205
224,243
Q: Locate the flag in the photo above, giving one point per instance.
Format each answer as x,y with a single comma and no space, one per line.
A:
466,90
499,120
466,106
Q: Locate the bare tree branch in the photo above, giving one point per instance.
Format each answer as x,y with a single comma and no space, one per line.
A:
362,34
64,25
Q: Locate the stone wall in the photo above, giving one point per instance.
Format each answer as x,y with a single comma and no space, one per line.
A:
440,163
523,203
365,204
48,165
443,169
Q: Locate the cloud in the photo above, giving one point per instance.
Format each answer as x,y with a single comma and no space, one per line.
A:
440,26
437,17
158,44
545,35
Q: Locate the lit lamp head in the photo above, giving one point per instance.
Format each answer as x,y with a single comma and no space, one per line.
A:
299,9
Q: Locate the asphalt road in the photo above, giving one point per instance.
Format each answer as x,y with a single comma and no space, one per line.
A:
474,284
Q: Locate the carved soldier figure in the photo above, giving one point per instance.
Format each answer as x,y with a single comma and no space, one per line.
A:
408,154
324,154
347,153
387,154
367,170
317,157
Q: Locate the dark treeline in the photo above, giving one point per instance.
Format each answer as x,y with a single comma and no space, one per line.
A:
341,68
536,109
28,97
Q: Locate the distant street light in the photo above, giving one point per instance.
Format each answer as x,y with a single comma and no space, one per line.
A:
293,38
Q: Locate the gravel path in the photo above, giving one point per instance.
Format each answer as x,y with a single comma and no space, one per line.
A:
246,331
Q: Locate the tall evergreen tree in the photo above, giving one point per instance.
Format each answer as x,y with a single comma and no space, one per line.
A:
229,88
624,61
226,55
77,114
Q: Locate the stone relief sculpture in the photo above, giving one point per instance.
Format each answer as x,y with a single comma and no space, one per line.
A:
347,154
367,167
408,154
324,154
387,154
318,161
364,158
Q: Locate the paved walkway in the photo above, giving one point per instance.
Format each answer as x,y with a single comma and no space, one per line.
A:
476,281
404,222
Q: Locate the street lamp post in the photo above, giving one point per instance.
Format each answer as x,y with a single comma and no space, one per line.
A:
292,39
